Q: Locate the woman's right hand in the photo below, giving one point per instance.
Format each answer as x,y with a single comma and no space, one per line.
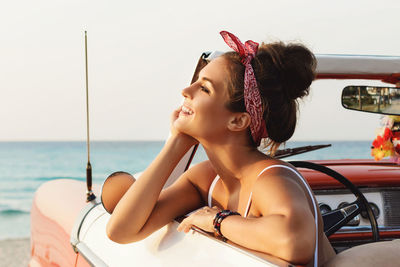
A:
145,207
175,133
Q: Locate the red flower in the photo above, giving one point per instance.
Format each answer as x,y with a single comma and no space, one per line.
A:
383,146
387,134
378,142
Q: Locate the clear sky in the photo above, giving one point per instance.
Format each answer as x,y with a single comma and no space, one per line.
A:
142,53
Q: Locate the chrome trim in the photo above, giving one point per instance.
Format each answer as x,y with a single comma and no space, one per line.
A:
355,221
74,240
347,211
363,190
89,256
77,245
365,229
334,200
357,64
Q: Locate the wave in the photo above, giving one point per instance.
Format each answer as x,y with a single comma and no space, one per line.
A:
24,178
13,212
57,177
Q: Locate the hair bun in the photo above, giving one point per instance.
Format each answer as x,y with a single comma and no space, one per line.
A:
298,70
284,72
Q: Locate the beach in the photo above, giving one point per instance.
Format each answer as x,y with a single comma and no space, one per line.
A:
14,252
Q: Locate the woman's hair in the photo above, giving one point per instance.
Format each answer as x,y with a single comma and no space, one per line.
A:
283,73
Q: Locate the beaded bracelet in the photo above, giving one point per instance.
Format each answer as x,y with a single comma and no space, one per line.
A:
219,217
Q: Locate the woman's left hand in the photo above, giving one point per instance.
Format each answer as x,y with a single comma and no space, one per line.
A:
202,218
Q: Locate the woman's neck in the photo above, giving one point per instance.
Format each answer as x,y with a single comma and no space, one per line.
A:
233,162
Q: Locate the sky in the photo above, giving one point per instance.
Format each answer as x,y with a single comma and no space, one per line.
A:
143,53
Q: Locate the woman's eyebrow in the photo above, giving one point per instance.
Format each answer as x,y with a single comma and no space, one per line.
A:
208,80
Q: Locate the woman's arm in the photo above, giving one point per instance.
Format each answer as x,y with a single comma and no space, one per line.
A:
142,209
285,228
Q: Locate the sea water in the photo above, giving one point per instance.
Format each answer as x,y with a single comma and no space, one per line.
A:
24,166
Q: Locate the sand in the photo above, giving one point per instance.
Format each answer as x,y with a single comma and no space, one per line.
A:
14,252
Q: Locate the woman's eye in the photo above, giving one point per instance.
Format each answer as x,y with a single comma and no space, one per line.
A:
204,89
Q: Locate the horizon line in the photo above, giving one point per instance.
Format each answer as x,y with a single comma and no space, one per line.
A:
163,140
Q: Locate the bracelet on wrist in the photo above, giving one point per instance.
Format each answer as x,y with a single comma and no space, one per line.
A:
219,217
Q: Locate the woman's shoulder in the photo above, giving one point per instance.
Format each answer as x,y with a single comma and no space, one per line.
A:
274,167
277,182
201,168
201,176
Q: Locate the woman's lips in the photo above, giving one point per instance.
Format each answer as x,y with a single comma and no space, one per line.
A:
186,111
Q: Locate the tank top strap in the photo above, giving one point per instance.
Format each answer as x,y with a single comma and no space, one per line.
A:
311,196
211,189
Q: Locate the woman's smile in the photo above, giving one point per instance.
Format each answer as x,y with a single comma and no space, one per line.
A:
185,111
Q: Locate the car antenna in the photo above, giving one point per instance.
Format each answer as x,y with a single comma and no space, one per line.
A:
89,193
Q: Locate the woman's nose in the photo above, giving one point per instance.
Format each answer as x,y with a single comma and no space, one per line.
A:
187,92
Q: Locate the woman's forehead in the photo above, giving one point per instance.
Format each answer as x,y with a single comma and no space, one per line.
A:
216,71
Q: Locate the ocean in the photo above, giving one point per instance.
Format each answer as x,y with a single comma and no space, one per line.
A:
24,166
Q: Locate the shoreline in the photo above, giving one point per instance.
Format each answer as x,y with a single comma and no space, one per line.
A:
15,251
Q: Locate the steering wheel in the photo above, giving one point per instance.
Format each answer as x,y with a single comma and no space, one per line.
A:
335,219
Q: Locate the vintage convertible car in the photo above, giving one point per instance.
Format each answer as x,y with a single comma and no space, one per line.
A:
66,230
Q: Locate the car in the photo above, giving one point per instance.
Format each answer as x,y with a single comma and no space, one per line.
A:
359,198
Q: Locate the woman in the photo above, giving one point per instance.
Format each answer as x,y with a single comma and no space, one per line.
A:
238,99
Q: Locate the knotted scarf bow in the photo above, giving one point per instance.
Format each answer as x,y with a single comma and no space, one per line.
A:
252,97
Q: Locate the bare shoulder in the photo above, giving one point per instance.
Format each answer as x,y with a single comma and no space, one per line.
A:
278,190
201,176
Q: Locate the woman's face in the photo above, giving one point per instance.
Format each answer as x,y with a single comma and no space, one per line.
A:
203,113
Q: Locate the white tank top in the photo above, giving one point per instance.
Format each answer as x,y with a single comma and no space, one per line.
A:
214,182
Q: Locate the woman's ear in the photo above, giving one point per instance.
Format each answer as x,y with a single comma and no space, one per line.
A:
239,121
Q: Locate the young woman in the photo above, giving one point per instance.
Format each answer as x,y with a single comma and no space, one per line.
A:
252,199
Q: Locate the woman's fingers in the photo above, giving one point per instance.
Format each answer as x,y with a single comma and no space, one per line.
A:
175,115
216,208
205,209
185,225
202,218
